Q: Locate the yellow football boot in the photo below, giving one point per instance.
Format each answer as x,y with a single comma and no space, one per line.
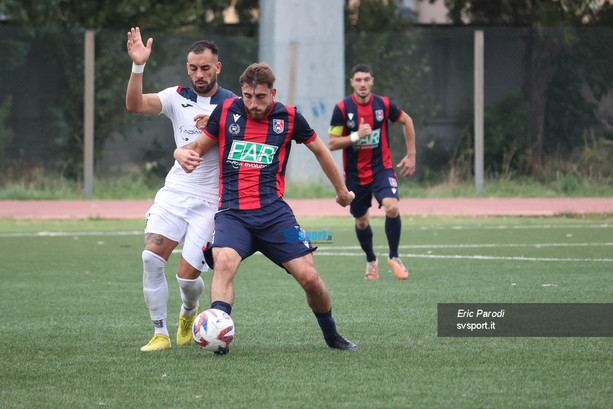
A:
159,342
184,333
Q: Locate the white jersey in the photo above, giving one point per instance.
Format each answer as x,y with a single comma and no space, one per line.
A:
181,105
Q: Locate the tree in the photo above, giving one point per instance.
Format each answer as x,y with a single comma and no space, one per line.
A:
45,41
548,40
371,16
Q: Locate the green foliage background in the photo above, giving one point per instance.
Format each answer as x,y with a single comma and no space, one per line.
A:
41,114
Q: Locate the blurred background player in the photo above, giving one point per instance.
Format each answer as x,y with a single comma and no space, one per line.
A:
185,207
254,133
359,126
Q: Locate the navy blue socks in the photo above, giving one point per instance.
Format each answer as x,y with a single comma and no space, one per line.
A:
393,226
326,323
220,305
365,239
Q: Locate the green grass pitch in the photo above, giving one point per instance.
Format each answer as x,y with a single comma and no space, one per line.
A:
73,320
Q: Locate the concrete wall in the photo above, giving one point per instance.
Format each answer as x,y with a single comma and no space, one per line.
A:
303,42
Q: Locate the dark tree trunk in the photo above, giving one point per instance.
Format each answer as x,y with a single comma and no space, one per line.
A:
542,50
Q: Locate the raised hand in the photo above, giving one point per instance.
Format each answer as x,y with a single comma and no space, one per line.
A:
364,129
136,49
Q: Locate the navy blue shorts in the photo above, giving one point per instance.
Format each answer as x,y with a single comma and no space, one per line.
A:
272,230
385,184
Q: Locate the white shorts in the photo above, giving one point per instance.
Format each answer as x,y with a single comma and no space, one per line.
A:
184,219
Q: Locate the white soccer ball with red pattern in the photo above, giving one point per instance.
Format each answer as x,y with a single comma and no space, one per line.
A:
213,330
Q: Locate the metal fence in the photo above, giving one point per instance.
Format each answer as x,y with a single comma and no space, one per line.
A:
427,71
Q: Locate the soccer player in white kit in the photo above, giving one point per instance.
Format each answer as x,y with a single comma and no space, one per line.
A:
185,207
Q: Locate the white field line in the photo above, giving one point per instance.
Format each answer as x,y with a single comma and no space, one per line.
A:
73,234
471,246
334,250
458,246
408,227
473,257
511,227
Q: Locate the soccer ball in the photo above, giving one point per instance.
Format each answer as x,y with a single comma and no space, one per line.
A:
213,330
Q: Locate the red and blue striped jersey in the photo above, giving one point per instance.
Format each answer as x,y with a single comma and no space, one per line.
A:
253,154
372,154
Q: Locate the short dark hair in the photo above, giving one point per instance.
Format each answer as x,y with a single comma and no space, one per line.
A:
361,68
256,74
200,46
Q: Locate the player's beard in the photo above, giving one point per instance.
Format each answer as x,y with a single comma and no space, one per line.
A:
259,114
205,89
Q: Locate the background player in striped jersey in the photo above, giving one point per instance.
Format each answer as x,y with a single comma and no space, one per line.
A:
359,126
185,207
254,134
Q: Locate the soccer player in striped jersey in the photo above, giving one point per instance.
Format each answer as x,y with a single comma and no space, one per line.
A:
254,135
360,127
185,207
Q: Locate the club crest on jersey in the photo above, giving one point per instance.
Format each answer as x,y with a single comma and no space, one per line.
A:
393,182
278,125
379,114
234,129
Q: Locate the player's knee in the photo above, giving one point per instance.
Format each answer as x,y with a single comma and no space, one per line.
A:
226,264
362,223
311,281
152,262
154,278
186,271
392,209
392,212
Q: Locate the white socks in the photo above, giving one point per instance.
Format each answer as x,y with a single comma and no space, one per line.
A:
155,290
191,290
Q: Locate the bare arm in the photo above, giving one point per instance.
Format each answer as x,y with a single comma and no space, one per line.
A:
136,101
327,163
190,156
408,162
338,141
